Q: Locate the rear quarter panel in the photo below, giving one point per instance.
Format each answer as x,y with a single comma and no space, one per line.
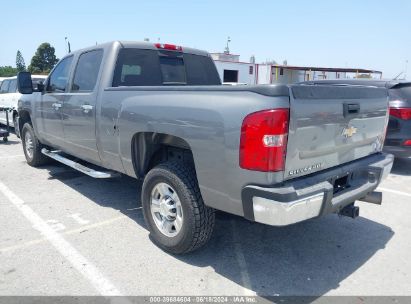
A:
209,121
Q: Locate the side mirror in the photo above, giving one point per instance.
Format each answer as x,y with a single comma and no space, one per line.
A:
24,84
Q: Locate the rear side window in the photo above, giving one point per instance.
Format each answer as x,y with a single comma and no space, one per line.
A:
401,93
406,92
87,70
5,86
137,67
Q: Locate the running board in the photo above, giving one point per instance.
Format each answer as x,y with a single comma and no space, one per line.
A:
79,167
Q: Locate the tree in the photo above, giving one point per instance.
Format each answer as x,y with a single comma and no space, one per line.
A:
20,64
44,59
7,71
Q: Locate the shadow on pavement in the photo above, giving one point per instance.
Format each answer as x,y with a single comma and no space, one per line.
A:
402,166
9,142
308,259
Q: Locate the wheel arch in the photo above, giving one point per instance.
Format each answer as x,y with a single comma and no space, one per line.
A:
150,148
24,117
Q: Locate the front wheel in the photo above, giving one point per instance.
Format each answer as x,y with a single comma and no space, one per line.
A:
32,147
174,210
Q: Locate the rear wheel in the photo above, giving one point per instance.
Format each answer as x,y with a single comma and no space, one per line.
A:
32,147
174,210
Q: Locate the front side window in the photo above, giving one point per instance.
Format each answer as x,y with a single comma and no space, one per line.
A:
13,86
87,70
59,78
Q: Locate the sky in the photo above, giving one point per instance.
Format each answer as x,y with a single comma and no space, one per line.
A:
340,33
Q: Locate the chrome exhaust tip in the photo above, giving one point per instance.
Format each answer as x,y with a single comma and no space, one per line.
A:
373,198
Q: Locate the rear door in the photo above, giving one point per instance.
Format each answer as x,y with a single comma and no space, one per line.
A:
79,109
49,109
333,125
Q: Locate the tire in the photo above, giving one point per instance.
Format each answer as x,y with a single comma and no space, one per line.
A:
32,147
196,222
16,126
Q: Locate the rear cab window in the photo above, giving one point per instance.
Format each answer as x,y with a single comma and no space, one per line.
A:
140,67
172,70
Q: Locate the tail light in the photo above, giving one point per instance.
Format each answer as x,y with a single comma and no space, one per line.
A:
401,113
167,46
407,142
263,140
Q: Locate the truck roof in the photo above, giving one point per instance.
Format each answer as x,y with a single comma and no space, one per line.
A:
140,45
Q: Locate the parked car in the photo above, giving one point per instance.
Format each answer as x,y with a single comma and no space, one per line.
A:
274,154
398,139
9,95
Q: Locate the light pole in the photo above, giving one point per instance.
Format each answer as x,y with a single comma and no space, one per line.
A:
68,45
227,49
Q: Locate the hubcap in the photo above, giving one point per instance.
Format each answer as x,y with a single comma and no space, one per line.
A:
166,209
29,145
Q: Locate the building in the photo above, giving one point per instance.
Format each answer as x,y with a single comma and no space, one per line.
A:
232,70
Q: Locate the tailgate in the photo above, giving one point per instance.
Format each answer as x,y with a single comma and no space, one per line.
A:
332,125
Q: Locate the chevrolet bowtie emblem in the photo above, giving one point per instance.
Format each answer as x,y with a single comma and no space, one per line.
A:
349,131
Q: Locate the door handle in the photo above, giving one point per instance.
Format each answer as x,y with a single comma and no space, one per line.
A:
87,108
56,106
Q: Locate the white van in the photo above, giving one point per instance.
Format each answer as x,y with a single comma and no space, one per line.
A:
9,97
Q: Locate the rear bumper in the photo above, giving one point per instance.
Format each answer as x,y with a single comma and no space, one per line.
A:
314,195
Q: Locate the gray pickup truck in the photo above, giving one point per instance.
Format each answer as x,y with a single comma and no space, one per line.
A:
274,154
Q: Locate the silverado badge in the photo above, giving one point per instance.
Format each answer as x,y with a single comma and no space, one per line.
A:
349,131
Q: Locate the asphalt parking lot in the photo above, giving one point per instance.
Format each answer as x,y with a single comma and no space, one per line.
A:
63,233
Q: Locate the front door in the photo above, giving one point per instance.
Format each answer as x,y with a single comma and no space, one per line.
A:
79,110
49,109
